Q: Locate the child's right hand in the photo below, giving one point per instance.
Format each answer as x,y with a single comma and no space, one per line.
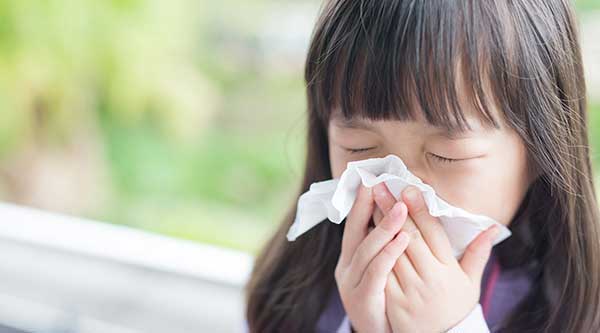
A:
366,260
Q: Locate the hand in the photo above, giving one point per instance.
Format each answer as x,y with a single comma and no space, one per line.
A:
429,290
366,260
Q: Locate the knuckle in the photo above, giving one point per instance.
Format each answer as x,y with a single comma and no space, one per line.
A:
429,294
398,264
414,233
344,295
388,253
389,226
411,308
371,272
338,273
475,252
420,214
357,260
469,251
419,207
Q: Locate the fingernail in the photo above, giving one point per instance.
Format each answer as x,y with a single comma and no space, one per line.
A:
411,193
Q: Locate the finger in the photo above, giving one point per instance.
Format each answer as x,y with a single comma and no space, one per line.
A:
383,197
431,229
357,221
376,275
393,289
375,241
406,274
377,216
401,321
418,251
478,252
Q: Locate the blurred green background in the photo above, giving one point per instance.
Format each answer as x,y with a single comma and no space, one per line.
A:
179,117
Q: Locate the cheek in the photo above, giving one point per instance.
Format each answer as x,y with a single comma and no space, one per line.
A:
496,197
338,160
338,163
496,188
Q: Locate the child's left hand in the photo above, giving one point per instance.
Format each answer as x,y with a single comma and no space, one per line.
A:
429,290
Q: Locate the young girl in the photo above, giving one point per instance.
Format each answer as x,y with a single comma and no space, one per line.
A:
483,100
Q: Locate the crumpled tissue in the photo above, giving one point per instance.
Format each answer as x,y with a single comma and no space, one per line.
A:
332,200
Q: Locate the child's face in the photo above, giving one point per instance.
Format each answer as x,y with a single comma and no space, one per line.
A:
489,177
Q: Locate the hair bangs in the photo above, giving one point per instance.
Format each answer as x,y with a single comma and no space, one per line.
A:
392,59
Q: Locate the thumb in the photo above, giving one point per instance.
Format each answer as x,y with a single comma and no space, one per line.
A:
478,252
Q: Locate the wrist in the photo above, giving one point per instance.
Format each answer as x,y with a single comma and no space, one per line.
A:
474,322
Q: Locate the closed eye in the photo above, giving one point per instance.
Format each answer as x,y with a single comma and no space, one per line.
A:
445,159
437,157
358,150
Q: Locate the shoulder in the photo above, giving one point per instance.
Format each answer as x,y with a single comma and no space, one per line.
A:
510,288
333,318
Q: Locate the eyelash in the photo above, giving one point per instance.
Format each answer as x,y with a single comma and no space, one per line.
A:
358,150
443,159
439,158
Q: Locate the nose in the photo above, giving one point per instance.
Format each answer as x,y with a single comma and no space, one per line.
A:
419,170
414,160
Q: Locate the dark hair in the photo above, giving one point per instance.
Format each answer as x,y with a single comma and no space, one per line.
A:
386,59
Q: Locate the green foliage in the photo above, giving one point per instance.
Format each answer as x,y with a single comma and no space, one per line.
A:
197,140
594,132
585,5
202,138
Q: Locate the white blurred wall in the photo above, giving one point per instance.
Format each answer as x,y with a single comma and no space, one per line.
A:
60,274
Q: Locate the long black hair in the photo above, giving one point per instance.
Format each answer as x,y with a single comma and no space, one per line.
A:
385,59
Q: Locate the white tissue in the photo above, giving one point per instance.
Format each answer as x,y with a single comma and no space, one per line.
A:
332,199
